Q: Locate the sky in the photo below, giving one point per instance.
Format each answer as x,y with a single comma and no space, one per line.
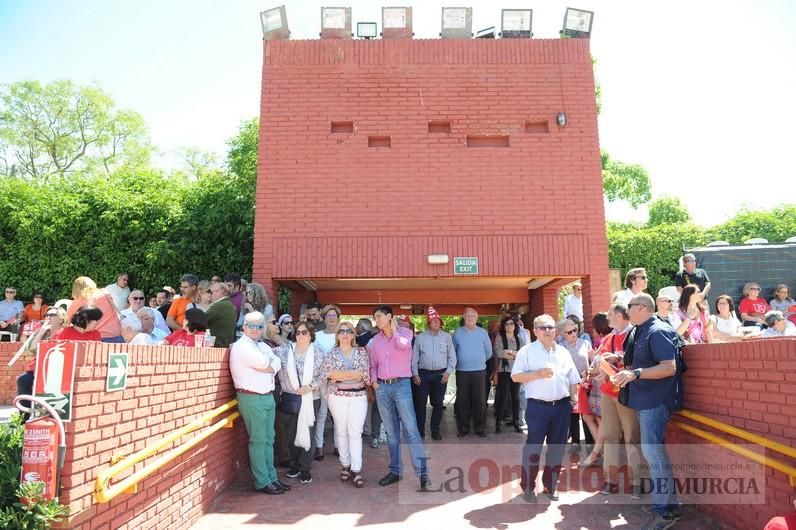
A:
700,93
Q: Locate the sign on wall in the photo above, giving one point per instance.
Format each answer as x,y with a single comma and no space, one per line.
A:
117,372
54,379
465,266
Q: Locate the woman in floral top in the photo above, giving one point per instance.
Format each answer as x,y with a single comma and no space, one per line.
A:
347,368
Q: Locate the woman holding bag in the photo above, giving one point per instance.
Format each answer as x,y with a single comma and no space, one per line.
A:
347,368
300,398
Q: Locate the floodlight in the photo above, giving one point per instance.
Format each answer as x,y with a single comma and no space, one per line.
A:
577,23
336,23
396,22
486,33
457,23
516,23
274,22
367,30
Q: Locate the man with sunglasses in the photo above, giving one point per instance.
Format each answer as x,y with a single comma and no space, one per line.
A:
549,378
253,365
135,303
635,283
221,315
690,274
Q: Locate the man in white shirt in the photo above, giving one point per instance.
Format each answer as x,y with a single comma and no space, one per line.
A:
132,331
136,302
147,317
253,365
635,283
549,378
573,304
119,291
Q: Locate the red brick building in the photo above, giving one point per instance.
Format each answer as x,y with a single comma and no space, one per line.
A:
376,154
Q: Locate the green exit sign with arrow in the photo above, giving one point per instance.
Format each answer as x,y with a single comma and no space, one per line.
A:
117,372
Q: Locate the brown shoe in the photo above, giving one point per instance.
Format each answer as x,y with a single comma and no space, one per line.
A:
319,454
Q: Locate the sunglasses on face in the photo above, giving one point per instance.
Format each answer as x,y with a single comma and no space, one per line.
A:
136,298
754,288
641,277
345,331
287,323
571,331
545,328
50,315
302,332
255,326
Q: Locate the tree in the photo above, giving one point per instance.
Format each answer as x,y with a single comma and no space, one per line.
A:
242,155
61,129
621,181
667,210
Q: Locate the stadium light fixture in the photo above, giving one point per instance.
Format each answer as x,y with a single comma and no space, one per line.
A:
577,23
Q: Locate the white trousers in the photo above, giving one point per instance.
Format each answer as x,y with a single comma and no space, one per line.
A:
349,417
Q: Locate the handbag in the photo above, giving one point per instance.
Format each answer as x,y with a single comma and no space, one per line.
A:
289,403
582,406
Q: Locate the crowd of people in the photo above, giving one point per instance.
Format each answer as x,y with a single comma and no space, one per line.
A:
617,386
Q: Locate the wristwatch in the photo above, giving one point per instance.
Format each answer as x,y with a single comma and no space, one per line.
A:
637,373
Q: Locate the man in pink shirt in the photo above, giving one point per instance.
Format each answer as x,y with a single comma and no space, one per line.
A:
391,372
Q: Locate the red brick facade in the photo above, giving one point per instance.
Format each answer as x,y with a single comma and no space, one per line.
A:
476,166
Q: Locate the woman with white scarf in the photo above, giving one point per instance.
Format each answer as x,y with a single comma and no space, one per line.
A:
347,369
299,378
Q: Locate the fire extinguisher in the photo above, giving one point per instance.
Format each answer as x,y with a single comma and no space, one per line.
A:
43,447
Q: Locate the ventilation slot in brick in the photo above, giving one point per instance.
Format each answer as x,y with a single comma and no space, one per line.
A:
378,141
488,140
537,126
343,127
439,126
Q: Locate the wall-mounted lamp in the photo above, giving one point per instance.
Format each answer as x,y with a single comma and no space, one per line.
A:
437,259
561,119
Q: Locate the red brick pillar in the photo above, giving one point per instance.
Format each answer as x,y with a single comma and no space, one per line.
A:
543,300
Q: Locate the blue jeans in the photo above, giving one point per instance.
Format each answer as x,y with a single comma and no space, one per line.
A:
397,410
653,427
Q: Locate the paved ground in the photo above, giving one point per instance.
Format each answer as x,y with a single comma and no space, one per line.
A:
474,487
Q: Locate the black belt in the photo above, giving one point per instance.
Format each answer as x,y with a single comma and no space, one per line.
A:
360,389
391,380
423,370
244,391
549,403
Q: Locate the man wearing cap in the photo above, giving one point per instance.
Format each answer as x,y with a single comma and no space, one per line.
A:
433,361
692,275
473,350
549,378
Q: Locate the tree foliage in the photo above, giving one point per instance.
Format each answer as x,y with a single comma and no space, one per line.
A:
621,181
62,129
667,210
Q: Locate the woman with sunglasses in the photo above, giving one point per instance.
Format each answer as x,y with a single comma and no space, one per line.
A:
54,321
635,283
505,346
285,324
581,352
346,368
203,295
300,400
752,307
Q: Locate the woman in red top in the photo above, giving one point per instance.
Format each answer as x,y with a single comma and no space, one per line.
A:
83,326
753,308
86,293
33,316
193,326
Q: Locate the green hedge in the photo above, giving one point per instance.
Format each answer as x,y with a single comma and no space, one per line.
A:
153,226
657,248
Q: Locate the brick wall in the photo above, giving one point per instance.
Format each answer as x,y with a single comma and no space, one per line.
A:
9,374
752,386
347,210
166,388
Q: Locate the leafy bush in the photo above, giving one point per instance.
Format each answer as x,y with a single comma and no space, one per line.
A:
13,513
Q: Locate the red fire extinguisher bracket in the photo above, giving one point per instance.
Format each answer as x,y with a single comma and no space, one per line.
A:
44,446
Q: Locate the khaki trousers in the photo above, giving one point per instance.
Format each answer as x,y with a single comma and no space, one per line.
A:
620,422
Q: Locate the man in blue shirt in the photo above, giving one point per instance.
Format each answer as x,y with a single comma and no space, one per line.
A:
653,347
473,349
10,311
